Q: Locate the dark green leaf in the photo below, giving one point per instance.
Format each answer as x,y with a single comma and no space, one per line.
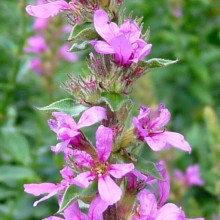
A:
65,105
114,100
147,167
75,192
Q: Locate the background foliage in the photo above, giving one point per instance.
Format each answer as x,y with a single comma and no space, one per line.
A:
187,30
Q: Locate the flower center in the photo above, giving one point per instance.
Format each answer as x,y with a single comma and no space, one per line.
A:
100,169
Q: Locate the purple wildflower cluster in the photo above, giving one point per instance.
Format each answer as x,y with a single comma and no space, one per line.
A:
40,44
108,178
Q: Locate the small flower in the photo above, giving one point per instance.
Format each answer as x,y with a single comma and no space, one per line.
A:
48,10
124,41
40,24
191,177
36,65
51,189
67,129
101,170
150,127
66,55
36,44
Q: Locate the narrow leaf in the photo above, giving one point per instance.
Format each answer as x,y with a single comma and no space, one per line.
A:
77,46
65,105
147,167
157,62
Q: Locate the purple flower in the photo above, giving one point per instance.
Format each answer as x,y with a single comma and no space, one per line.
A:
66,55
40,24
150,127
48,10
36,44
51,189
67,129
101,170
73,212
192,176
149,210
124,41
36,65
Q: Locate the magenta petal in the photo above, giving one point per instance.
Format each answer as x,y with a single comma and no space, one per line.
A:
193,176
85,179
106,29
97,207
83,158
109,191
148,204
170,211
104,140
162,119
155,142
60,146
119,170
47,10
119,44
53,218
73,212
131,30
176,140
92,116
37,189
102,47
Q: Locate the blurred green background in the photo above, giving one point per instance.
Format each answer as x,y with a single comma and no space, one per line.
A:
187,30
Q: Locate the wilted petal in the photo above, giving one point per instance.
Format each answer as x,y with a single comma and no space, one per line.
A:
119,170
109,191
131,30
122,48
102,47
83,158
92,116
106,29
85,179
97,207
104,141
73,212
170,211
47,10
176,140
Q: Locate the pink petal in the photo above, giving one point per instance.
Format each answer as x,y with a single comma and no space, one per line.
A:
119,44
162,119
73,212
176,140
92,116
106,29
47,10
83,158
170,211
155,142
53,218
193,176
131,30
85,179
60,146
119,170
37,189
148,204
102,47
109,191
96,209
66,55
104,140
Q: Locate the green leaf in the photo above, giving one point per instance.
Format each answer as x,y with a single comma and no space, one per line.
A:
13,173
74,192
16,145
65,105
147,167
77,46
157,62
114,100
85,35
